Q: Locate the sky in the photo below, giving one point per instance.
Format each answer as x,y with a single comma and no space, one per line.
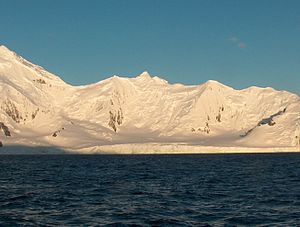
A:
240,43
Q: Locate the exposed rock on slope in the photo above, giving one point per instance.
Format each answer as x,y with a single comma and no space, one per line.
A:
5,129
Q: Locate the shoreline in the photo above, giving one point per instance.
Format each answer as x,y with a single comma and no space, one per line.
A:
156,148
144,148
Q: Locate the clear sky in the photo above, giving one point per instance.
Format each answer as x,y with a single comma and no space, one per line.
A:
237,42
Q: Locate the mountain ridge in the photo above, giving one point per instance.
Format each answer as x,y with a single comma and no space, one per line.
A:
38,108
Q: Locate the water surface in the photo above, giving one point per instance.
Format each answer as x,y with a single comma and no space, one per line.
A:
150,190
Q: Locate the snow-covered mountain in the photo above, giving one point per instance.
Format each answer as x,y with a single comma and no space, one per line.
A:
37,108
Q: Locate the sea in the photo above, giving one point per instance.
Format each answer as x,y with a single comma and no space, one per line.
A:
150,190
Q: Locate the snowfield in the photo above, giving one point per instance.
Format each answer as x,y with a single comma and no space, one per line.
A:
144,114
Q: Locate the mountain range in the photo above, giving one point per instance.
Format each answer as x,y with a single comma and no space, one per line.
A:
142,114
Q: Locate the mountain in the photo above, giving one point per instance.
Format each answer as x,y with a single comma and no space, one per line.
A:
137,114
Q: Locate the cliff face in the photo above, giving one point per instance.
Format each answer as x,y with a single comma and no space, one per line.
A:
38,108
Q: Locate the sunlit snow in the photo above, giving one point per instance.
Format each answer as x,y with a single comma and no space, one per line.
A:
144,114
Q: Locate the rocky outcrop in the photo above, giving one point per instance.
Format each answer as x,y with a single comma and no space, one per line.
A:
205,129
5,129
218,117
11,110
266,121
297,140
55,134
40,81
112,121
269,120
33,115
115,118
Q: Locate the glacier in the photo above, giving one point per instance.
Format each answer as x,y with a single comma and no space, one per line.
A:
144,114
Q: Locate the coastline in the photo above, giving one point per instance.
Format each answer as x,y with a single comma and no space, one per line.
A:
159,148
144,148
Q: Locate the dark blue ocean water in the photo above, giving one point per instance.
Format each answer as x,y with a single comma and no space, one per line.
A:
150,190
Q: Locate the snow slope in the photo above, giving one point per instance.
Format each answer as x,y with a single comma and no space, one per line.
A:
37,108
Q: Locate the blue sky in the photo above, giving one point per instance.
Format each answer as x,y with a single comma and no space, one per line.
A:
237,42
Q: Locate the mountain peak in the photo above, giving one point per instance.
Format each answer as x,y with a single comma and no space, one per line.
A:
144,75
2,47
4,51
213,84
